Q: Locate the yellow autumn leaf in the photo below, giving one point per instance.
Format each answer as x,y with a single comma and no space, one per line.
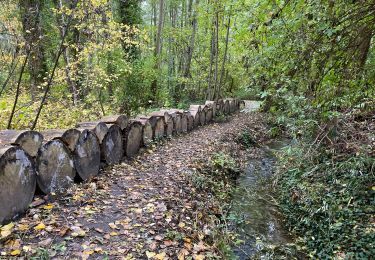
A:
49,206
90,252
181,225
160,256
6,230
40,226
15,252
198,257
23,227
150,254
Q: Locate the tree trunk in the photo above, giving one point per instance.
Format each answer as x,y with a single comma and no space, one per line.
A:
33,34
158,48
225,55
17,182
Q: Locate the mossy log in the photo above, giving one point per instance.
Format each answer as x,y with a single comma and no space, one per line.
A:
147,132
86,155
29,141
120,120
17,182
55,167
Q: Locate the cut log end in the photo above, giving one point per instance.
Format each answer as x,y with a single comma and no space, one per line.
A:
112,149
29,141
133,139
120,120
17,182
55,167
87,155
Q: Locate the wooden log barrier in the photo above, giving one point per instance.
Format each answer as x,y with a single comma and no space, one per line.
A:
190,121
29,141
55,167
196,117
212,105
110,140
133,138
111,147
209,114
120,120
86,155
158,125
147,132
17,182
169,127
226,107
183,119
202,116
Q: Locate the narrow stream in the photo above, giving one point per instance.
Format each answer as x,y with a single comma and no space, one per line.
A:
254,216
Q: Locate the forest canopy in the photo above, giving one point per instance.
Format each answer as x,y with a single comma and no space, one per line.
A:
99,57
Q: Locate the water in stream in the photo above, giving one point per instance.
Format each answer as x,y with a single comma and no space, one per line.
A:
255,217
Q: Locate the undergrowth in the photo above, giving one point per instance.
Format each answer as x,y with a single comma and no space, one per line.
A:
326,184
218,177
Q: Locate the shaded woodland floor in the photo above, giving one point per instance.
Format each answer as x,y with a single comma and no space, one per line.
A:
144,208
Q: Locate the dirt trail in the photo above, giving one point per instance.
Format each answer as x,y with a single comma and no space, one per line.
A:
144,208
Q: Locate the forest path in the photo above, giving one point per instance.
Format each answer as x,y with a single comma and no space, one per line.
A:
145,207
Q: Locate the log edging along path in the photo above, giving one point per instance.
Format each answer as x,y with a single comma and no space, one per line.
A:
54,159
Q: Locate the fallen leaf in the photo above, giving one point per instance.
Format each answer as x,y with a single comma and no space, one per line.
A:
198,257
40,226
181,225
160,256
150,254
49,206
15,252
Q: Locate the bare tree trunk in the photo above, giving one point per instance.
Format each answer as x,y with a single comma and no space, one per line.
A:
68,74
216,55
18,90
225,56
33,34
158,49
